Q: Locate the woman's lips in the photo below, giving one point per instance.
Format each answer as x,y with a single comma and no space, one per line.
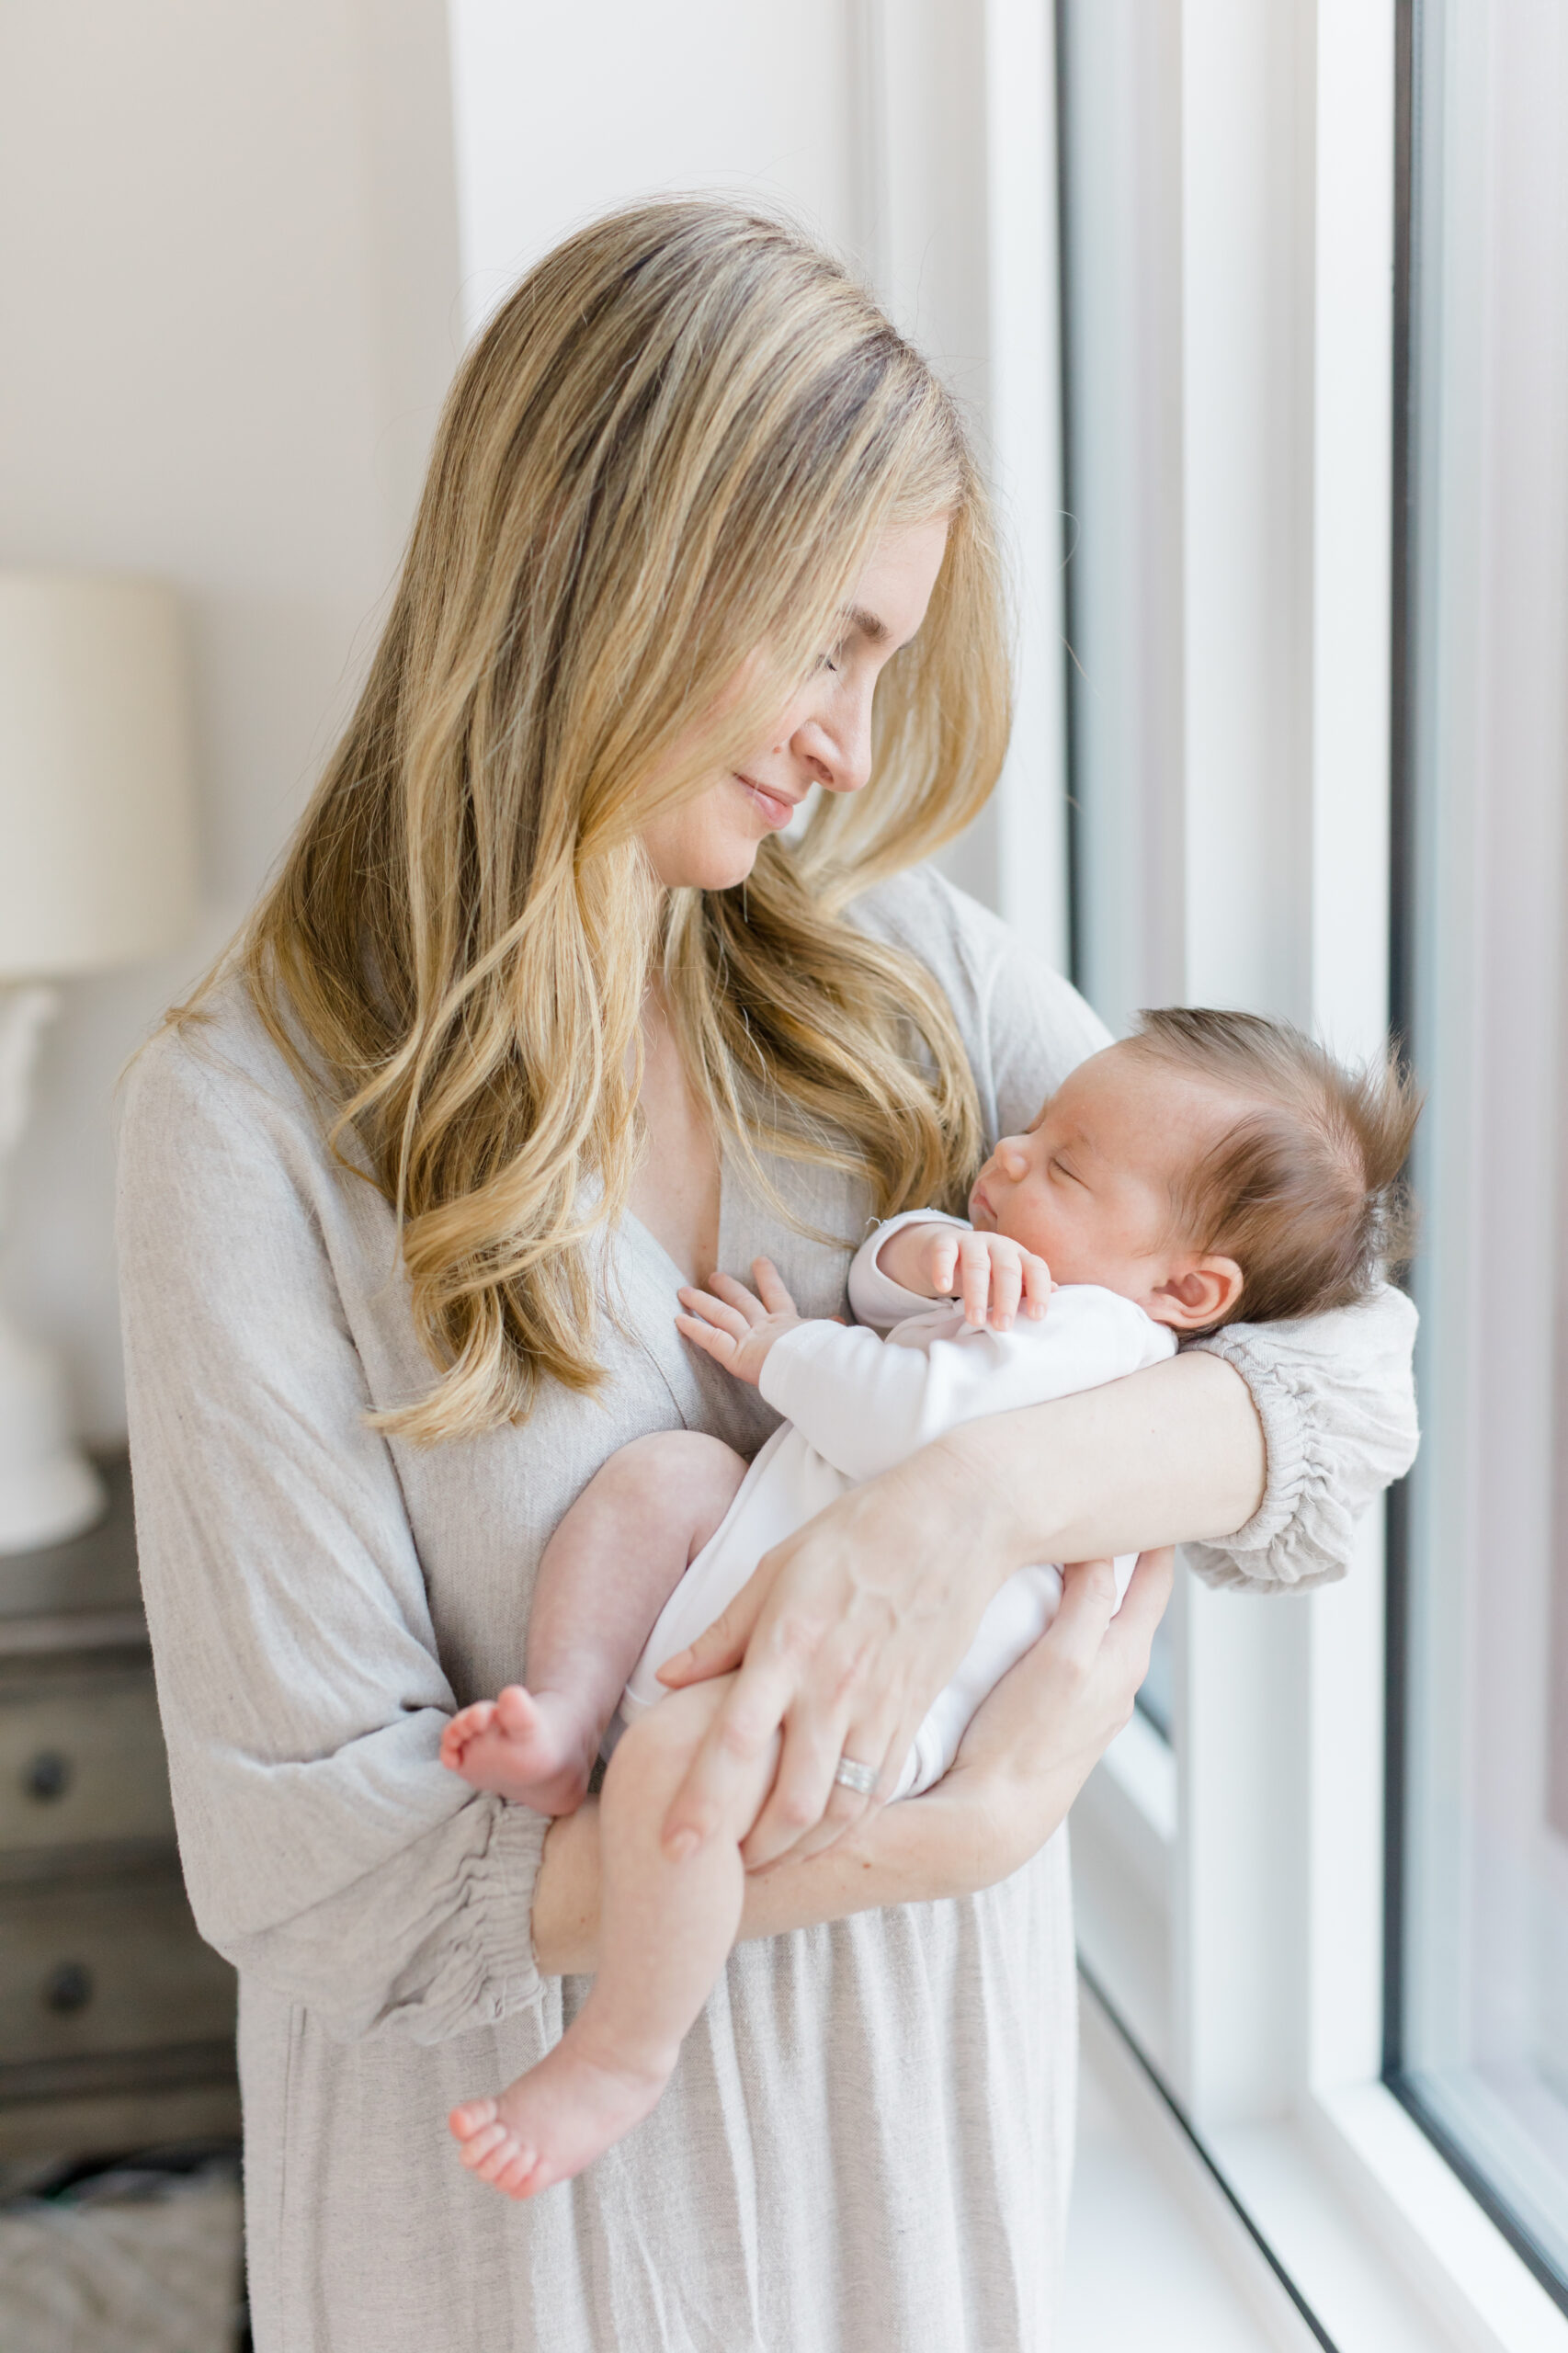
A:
773,808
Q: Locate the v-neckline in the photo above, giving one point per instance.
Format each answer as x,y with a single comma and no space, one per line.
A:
645,1232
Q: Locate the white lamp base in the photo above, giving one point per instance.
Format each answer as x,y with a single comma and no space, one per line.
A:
48,1490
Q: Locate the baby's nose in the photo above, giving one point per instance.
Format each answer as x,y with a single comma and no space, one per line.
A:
1013,1161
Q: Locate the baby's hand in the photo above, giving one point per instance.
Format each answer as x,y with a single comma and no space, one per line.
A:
993,1275
736,1329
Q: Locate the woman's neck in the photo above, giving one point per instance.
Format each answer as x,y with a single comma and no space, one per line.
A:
676,1191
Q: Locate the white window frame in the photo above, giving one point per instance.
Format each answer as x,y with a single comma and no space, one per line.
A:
1230,1888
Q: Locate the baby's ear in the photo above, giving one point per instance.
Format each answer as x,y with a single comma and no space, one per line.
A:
1203,1295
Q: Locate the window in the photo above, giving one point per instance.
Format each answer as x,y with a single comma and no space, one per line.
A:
1477,2031
1383,2085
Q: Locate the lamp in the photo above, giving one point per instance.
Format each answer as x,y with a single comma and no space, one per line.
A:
97,869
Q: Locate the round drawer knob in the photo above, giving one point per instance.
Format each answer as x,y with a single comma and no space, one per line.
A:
68,1988
47,1774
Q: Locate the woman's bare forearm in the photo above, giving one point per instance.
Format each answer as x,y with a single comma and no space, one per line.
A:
1171,1455
906,1854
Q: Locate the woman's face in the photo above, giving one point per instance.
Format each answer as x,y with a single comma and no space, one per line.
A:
709,843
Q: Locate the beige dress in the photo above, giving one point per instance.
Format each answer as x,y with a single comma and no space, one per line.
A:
866,2145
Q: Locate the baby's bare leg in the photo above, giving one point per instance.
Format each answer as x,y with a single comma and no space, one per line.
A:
606,1573
664,1929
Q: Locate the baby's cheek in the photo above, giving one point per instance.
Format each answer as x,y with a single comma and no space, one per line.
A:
1035,1225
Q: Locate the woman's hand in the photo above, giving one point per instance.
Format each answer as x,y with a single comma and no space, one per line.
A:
844,1635
1022,1762
1035,1740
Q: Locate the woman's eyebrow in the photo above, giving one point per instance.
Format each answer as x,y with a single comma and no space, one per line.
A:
874,630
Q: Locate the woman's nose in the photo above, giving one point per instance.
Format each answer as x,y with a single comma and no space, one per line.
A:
836,739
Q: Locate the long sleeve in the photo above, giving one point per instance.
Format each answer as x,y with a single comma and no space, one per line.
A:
1335,1393
326,1850
1336,1399
874,1296
866,1404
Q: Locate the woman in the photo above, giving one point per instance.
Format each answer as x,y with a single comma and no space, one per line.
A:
542,1015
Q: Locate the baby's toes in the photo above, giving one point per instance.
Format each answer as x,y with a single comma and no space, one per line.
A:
466,1725
517,2176
472,2116
515,1712
506,2163
485,2151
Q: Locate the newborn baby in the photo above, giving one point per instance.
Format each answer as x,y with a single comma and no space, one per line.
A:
1210,1164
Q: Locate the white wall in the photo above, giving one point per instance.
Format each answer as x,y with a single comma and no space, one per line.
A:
227,243
563,112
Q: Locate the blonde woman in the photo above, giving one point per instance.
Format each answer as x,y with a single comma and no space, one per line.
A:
542,1016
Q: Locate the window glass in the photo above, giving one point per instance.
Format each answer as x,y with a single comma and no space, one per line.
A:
1118,89
1478,2014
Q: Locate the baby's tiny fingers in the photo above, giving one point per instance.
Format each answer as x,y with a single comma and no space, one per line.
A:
771,1285
721,1344
1007,1281
944,1259
1036,1283
718,1311
745,1302
974,1265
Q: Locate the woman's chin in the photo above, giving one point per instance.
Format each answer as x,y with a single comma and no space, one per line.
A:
723,870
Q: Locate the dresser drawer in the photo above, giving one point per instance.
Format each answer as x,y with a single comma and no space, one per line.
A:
82,1763
109,1964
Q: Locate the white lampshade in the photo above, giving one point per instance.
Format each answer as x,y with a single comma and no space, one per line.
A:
97,851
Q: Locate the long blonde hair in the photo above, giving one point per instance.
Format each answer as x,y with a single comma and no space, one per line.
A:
659,473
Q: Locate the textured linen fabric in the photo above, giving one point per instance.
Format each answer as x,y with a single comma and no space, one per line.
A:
866,2145
854,1405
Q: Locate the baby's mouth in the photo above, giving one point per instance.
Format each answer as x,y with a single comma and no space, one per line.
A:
979,1205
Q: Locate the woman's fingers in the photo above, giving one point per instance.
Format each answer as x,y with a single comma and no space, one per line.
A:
743,1728
855,1622
1042,1729
807,1808
1089,1605
721,1645
804,1791
1144,1605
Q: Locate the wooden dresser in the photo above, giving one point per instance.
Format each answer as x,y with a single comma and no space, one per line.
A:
117,2023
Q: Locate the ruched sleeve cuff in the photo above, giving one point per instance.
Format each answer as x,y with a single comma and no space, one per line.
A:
486,1968
438,1942
1335,1396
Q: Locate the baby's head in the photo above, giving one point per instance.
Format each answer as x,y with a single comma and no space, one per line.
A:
1214,1165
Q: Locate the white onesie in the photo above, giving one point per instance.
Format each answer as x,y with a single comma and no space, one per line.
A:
854,1404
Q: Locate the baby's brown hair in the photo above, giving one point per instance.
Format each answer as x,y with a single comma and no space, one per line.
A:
1305,1191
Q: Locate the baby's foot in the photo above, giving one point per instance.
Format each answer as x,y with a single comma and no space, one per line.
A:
554,2121
531,1746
